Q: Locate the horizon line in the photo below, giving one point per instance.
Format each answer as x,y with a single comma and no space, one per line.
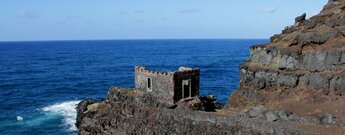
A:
124,39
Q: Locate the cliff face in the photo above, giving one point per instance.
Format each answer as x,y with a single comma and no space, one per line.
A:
293,85
304,64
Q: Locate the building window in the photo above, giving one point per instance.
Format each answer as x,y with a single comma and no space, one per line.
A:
186,88
149,84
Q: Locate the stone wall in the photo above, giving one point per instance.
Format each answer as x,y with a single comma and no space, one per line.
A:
193,75
167,85
162,83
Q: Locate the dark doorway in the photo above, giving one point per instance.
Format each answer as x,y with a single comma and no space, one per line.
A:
186,88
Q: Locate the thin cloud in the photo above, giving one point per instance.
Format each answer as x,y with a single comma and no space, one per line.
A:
269,10
189,11
28,15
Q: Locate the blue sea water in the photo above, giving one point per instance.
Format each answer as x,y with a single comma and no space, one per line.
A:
41,82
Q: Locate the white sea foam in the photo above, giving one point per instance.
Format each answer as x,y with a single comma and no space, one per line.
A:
19,118
67,110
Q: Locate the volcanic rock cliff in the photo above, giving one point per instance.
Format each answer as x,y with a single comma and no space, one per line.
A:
302,69
293,85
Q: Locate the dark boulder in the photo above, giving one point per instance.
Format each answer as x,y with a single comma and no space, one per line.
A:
300,18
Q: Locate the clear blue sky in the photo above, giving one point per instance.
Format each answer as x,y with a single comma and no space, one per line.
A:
148,19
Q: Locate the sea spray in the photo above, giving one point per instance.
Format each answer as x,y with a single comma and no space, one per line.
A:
68,110
19,118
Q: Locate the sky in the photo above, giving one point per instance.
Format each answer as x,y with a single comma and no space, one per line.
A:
32,20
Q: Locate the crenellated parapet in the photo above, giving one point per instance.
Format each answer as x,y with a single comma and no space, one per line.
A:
143,69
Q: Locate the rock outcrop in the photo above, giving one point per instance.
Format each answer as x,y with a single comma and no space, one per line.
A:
305,60
129,111
301,70
293,85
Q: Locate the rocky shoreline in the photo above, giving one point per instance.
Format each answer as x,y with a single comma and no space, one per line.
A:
293,85
129,111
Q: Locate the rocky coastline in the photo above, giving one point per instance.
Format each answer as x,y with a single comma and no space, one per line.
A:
293,85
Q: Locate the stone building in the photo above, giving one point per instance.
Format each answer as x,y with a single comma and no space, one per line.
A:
170,86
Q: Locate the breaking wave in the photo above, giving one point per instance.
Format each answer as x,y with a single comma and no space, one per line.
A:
67,110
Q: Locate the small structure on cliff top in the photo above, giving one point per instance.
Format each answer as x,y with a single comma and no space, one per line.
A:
171,86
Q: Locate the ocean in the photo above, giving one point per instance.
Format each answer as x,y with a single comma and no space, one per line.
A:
42,81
